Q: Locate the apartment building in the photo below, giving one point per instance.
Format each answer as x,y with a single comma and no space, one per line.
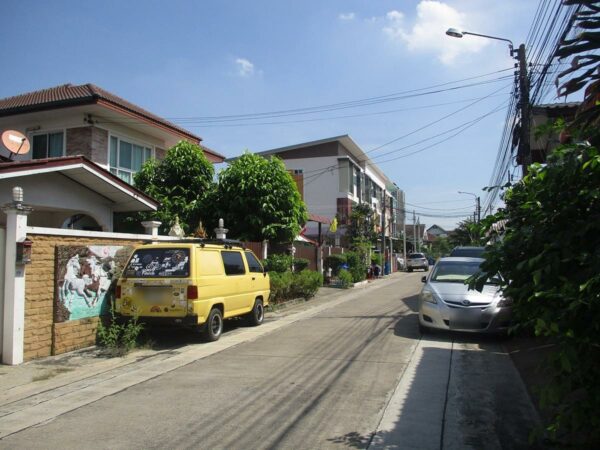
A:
335,174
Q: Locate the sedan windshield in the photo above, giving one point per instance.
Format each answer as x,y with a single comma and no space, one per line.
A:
458,272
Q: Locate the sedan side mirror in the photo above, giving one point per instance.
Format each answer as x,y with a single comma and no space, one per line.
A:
424,280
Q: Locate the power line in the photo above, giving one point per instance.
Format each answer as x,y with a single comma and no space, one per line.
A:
320,170
414,93
346,116
461,128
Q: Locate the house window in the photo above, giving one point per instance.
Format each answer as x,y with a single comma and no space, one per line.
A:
49,145
127,158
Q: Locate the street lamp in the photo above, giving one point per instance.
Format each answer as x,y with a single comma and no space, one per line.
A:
477,204
524,152
455,32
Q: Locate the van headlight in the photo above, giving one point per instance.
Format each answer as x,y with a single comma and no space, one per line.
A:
427,296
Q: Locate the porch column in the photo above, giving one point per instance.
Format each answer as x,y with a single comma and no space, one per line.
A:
14,280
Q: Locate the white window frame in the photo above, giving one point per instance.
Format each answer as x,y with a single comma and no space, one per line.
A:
129,140
32,134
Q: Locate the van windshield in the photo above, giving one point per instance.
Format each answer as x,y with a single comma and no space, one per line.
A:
159,263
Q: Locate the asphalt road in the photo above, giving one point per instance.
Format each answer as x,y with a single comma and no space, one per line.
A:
329,381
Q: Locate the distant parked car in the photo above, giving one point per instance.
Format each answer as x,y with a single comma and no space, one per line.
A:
468,252
417,261
447,303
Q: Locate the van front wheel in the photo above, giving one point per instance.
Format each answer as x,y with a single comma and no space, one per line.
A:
257,315
214,325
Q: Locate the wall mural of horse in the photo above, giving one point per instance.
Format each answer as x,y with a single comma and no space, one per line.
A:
85,276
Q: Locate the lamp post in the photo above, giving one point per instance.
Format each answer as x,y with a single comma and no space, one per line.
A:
524,152
477,215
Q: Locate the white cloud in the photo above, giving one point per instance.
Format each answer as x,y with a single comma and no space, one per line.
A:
394,16
347,16
245,67
427,34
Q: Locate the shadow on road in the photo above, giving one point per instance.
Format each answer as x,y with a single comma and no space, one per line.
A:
168,338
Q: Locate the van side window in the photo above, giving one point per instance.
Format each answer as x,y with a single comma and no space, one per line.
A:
253,264
234,265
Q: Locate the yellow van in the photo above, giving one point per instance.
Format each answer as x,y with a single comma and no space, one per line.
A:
195,283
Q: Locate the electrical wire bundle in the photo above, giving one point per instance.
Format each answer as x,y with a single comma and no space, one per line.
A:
551,23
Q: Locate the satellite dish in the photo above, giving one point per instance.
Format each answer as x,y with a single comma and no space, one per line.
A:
15,142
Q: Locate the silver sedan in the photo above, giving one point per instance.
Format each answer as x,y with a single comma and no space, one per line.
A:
447,303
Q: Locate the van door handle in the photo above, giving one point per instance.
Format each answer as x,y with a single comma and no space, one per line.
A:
253,278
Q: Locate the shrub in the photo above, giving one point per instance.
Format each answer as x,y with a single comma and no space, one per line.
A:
281,286
118,338
335,262
345,278
357,267
278,263
300,264
307,283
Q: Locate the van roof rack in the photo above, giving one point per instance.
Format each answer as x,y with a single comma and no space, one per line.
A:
203,241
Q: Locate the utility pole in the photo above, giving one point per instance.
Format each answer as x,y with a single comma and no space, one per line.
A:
524,151
478,209
383,228
404,234
418,233
414,232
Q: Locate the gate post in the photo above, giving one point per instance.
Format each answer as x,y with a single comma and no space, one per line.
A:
14,280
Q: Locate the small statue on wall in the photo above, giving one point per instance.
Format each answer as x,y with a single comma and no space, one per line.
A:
176,229
200,231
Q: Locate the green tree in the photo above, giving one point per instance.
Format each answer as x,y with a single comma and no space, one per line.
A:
362,236
440,247
466,233
181,183
258,199
362,223
551,255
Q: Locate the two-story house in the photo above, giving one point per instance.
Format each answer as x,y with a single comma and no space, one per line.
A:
85,146
333,175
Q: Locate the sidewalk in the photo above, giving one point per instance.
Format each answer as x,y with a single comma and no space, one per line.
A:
40,390
458,392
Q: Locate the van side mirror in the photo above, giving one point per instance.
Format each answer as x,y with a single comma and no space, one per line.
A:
424,280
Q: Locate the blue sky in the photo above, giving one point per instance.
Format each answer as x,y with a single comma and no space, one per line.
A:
185,60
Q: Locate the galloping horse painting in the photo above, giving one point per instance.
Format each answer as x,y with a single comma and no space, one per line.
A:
84,279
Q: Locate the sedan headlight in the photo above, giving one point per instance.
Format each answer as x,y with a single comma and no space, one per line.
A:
427,296
505,302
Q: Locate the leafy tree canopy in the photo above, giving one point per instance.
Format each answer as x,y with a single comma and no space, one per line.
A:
551,255
466,233
181,183
362,223
258,199
439,247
